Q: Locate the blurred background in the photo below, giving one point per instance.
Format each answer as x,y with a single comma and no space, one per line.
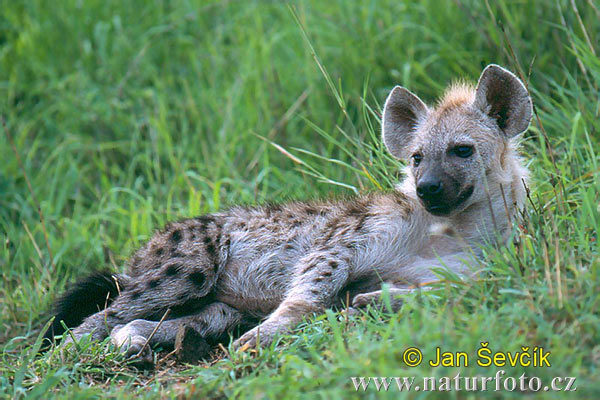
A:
126,114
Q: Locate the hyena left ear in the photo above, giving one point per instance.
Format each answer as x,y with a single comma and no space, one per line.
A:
503,97
401,114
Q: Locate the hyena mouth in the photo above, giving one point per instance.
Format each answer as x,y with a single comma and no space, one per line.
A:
440,210
464,195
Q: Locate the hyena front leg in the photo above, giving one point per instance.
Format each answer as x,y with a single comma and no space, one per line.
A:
211,322
319,277
412,277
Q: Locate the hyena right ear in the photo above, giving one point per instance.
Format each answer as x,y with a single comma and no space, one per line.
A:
401,113
504,98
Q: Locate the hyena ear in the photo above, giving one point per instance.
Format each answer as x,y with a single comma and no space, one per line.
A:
401,113
503,97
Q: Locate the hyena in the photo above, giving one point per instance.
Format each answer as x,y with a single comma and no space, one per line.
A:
268,267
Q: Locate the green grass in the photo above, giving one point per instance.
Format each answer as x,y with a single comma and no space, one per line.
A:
126,115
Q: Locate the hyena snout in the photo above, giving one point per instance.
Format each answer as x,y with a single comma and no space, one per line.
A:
442,195
432,193
430,189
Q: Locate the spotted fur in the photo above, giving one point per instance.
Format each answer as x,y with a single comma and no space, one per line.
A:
279,263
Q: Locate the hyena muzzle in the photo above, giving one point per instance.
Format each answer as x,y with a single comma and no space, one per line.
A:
268,267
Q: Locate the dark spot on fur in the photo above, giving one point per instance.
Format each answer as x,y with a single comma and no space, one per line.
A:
136,260
360,223
153,283
333,264
205,219
197,278
315,292
216,267
176,236
331,227
111,313
207,240
193,231
317,280
289,247
309,267
326,273
310,210
159,252
172,269
400,197
135,295
210,249
273,208
405,202
356,209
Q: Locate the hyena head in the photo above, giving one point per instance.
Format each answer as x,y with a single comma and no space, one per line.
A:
465,146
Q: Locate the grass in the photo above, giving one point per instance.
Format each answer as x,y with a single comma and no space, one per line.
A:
126,115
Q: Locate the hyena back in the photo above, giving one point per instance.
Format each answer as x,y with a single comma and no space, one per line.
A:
279,263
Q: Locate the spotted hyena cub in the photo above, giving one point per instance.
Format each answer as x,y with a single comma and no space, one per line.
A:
266,268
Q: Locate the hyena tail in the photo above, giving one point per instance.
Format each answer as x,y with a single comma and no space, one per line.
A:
84,298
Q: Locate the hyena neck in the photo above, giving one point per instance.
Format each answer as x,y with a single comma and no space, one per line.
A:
515,177
494,215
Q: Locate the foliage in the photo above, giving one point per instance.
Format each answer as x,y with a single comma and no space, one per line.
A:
125,115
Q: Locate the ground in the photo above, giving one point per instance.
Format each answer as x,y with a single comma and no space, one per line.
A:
121,116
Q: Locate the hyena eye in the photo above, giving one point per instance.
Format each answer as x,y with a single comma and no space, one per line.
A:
463,151
417,159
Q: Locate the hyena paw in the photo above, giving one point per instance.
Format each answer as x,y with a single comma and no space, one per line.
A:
361,300
137,344
246,341
375,299
350,311
134,347
364,299
261,335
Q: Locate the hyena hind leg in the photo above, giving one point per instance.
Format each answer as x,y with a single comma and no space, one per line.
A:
189,332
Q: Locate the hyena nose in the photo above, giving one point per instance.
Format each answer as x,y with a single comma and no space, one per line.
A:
429,188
